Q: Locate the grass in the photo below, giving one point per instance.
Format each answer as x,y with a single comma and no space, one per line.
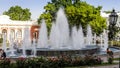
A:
115,43
116,58
103,64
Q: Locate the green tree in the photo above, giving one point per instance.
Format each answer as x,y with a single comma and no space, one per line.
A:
17,13
48,19
78,13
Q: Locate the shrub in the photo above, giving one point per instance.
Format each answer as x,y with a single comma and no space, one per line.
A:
30,63
5,63
21,62
51,62
92,60
110,60
89,60
42,62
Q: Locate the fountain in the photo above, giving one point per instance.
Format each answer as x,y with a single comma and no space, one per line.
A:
54,37
89,36
94,39
74,37
4,46
104,41
42,40
63,27
12,50
60,41
80,38
26,41
34,48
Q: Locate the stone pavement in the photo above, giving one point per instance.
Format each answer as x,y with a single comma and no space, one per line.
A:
104,58
108,66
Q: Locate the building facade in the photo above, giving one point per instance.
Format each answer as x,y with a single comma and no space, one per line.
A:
15,29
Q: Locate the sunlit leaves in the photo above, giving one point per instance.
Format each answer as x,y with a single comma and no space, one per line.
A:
17,13
77,12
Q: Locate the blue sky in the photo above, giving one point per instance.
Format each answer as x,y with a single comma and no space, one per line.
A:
36,6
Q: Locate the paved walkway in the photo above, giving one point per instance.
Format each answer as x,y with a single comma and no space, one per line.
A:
109,66
104,58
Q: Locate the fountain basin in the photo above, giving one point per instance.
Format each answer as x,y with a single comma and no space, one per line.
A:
57,52
89,50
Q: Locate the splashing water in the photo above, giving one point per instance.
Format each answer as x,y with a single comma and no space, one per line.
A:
74,37
26,40
62,23
4,47
55,36
89,35
80,37
43,38
105,39
34,48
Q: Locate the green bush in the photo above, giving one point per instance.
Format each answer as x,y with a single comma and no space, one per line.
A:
50,62
21,62
110,60
4,63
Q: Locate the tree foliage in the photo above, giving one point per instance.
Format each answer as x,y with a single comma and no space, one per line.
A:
78,13
17,13
113,32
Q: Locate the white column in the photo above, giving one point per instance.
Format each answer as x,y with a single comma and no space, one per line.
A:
15,34
8,35
0,32
22,30
30,33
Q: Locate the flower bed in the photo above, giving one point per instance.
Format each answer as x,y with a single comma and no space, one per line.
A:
51,62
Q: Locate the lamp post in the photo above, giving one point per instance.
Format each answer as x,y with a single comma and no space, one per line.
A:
112,22
119,48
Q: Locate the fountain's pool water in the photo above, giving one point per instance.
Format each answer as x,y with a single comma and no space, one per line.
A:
113,49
